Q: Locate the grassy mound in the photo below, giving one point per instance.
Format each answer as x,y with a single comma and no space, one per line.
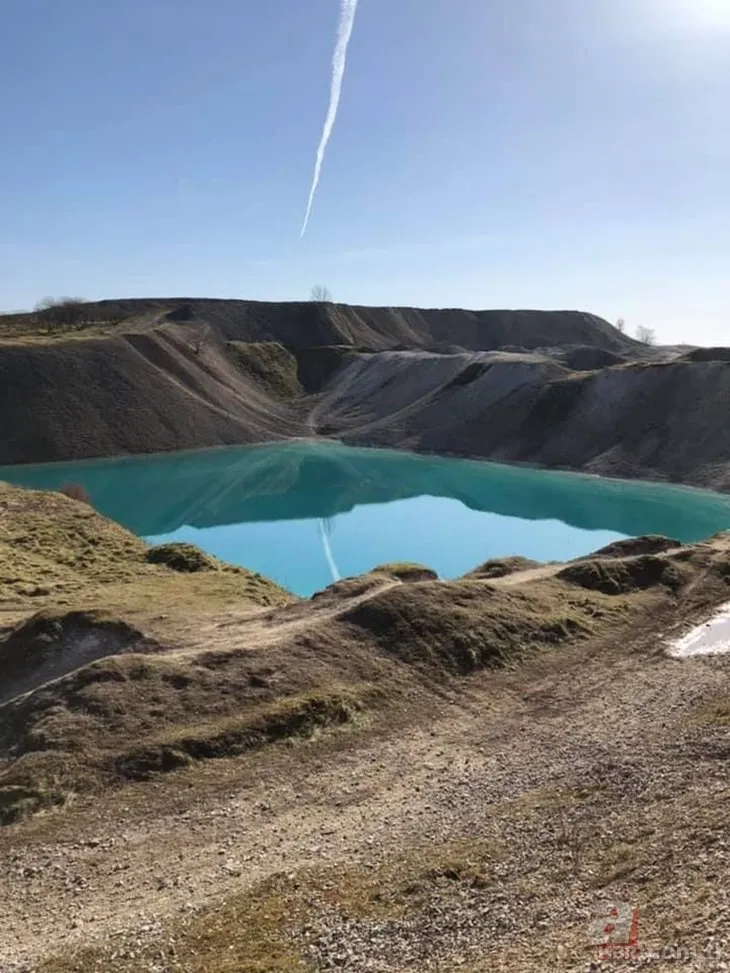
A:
39,785
58,553
458,627
300,715
383,574
82,732
500,567
181,557
649,544
624,576
351,587
51,644
406,571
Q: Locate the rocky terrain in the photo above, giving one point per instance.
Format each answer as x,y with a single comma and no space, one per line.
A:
201,773
554,389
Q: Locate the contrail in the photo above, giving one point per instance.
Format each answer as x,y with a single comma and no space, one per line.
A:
324,530
339,60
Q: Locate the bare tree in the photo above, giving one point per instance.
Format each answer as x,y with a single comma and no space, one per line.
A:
320,294
61,312
646,335
621,325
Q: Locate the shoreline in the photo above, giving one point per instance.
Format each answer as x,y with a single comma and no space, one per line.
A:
328,442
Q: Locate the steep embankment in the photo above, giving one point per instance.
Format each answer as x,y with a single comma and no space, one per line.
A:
133,393
146,376
168,375
664,420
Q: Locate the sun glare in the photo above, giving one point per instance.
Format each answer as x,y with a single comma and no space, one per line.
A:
697,14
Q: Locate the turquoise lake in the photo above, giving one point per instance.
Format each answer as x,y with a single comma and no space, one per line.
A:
305,513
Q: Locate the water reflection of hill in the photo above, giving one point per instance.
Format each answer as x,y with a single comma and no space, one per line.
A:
157,495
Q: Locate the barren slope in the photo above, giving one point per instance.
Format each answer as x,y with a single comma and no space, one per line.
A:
664,420
144,376
137,392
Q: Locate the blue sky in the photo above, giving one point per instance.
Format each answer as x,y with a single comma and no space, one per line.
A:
512,153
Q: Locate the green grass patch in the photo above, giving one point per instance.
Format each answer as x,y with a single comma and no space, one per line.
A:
270,364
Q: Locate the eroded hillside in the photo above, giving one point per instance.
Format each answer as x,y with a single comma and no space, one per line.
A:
649,420
155,383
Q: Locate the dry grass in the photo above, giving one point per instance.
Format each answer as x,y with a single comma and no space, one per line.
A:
403,886
270,364
262,930
55,551
451,628
182,557
510,883
406,571
715,712
31,329
249,933
192,697
615,576
25,335
86,734
500,567
93,321
300,716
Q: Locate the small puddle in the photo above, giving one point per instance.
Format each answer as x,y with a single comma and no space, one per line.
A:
710,638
